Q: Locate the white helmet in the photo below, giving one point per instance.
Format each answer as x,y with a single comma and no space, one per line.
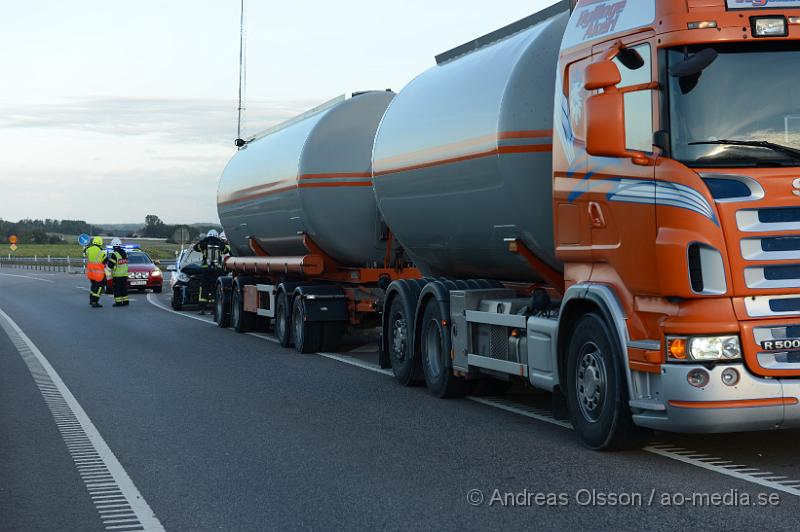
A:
223,236
213,233
116,242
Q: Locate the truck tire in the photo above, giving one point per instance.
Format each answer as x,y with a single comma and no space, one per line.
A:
177,299
307,334
222,307
283,320
241,321
332,332
435,346
597,391
405,365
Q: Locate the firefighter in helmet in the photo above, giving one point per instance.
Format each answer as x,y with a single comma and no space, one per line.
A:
96,256
118,263
213,249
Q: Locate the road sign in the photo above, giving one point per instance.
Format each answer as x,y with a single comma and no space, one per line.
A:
84,239
13,247
12,239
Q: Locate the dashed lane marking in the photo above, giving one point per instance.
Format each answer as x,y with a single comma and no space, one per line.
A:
717,465
113,493
28,277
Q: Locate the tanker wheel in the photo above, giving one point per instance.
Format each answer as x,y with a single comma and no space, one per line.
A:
283,317
222,308
435,348
405,365
241,321
307,334
332,335
597,392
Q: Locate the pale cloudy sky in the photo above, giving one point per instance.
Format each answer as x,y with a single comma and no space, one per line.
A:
111,110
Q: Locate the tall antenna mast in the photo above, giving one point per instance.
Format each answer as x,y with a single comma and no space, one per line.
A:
242,79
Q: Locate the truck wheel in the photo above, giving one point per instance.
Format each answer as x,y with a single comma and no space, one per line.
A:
241,321
307,334
222,308
331,335
177,299
597,392
283,320
398,339
435,347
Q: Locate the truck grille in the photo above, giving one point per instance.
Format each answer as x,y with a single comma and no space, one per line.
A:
771,248
772,360
769,241
769,219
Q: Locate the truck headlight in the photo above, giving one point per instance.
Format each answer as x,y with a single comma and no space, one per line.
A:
182,277
769,26
704,348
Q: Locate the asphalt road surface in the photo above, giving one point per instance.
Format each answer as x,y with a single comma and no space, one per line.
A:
141,418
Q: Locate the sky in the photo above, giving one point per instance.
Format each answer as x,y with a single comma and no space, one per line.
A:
113,110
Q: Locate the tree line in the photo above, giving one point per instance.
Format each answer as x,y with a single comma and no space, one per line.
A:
50,231
45,231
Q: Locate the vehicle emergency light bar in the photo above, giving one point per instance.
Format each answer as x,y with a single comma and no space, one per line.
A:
126,246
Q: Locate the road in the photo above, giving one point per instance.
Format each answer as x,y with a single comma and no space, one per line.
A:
141,418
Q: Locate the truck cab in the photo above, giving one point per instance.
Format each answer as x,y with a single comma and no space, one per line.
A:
675,193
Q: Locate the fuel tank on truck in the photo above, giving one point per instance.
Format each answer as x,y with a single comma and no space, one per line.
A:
463,156
310,175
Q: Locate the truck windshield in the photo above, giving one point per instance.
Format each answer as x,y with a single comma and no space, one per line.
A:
742,110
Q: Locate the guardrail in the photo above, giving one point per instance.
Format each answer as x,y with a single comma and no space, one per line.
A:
57,264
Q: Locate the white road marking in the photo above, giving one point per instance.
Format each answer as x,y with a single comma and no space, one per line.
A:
747,474
80,435
717,465
358,363
28,277
152,300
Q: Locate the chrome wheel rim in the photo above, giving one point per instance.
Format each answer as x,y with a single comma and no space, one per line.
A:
399,335
590,382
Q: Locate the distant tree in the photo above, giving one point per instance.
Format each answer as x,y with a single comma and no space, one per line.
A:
154,227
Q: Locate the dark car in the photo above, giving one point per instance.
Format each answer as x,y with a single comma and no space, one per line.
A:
142,273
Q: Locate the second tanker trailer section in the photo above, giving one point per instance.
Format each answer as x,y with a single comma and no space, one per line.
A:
311,251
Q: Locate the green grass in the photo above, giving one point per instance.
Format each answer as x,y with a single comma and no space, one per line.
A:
156,250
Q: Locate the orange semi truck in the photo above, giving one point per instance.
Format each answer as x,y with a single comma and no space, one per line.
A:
601,200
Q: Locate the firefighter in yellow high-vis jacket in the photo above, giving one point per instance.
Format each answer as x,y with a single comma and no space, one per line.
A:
96,270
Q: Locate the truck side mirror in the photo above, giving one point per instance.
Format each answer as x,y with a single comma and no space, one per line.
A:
605,113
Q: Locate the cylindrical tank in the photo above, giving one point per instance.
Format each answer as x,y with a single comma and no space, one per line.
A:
462,158
311,175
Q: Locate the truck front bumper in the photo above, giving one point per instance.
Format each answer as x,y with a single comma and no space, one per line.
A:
755,403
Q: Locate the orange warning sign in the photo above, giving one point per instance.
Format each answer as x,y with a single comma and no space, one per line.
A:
12,239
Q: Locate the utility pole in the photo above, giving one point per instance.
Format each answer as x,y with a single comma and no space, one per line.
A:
242,78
